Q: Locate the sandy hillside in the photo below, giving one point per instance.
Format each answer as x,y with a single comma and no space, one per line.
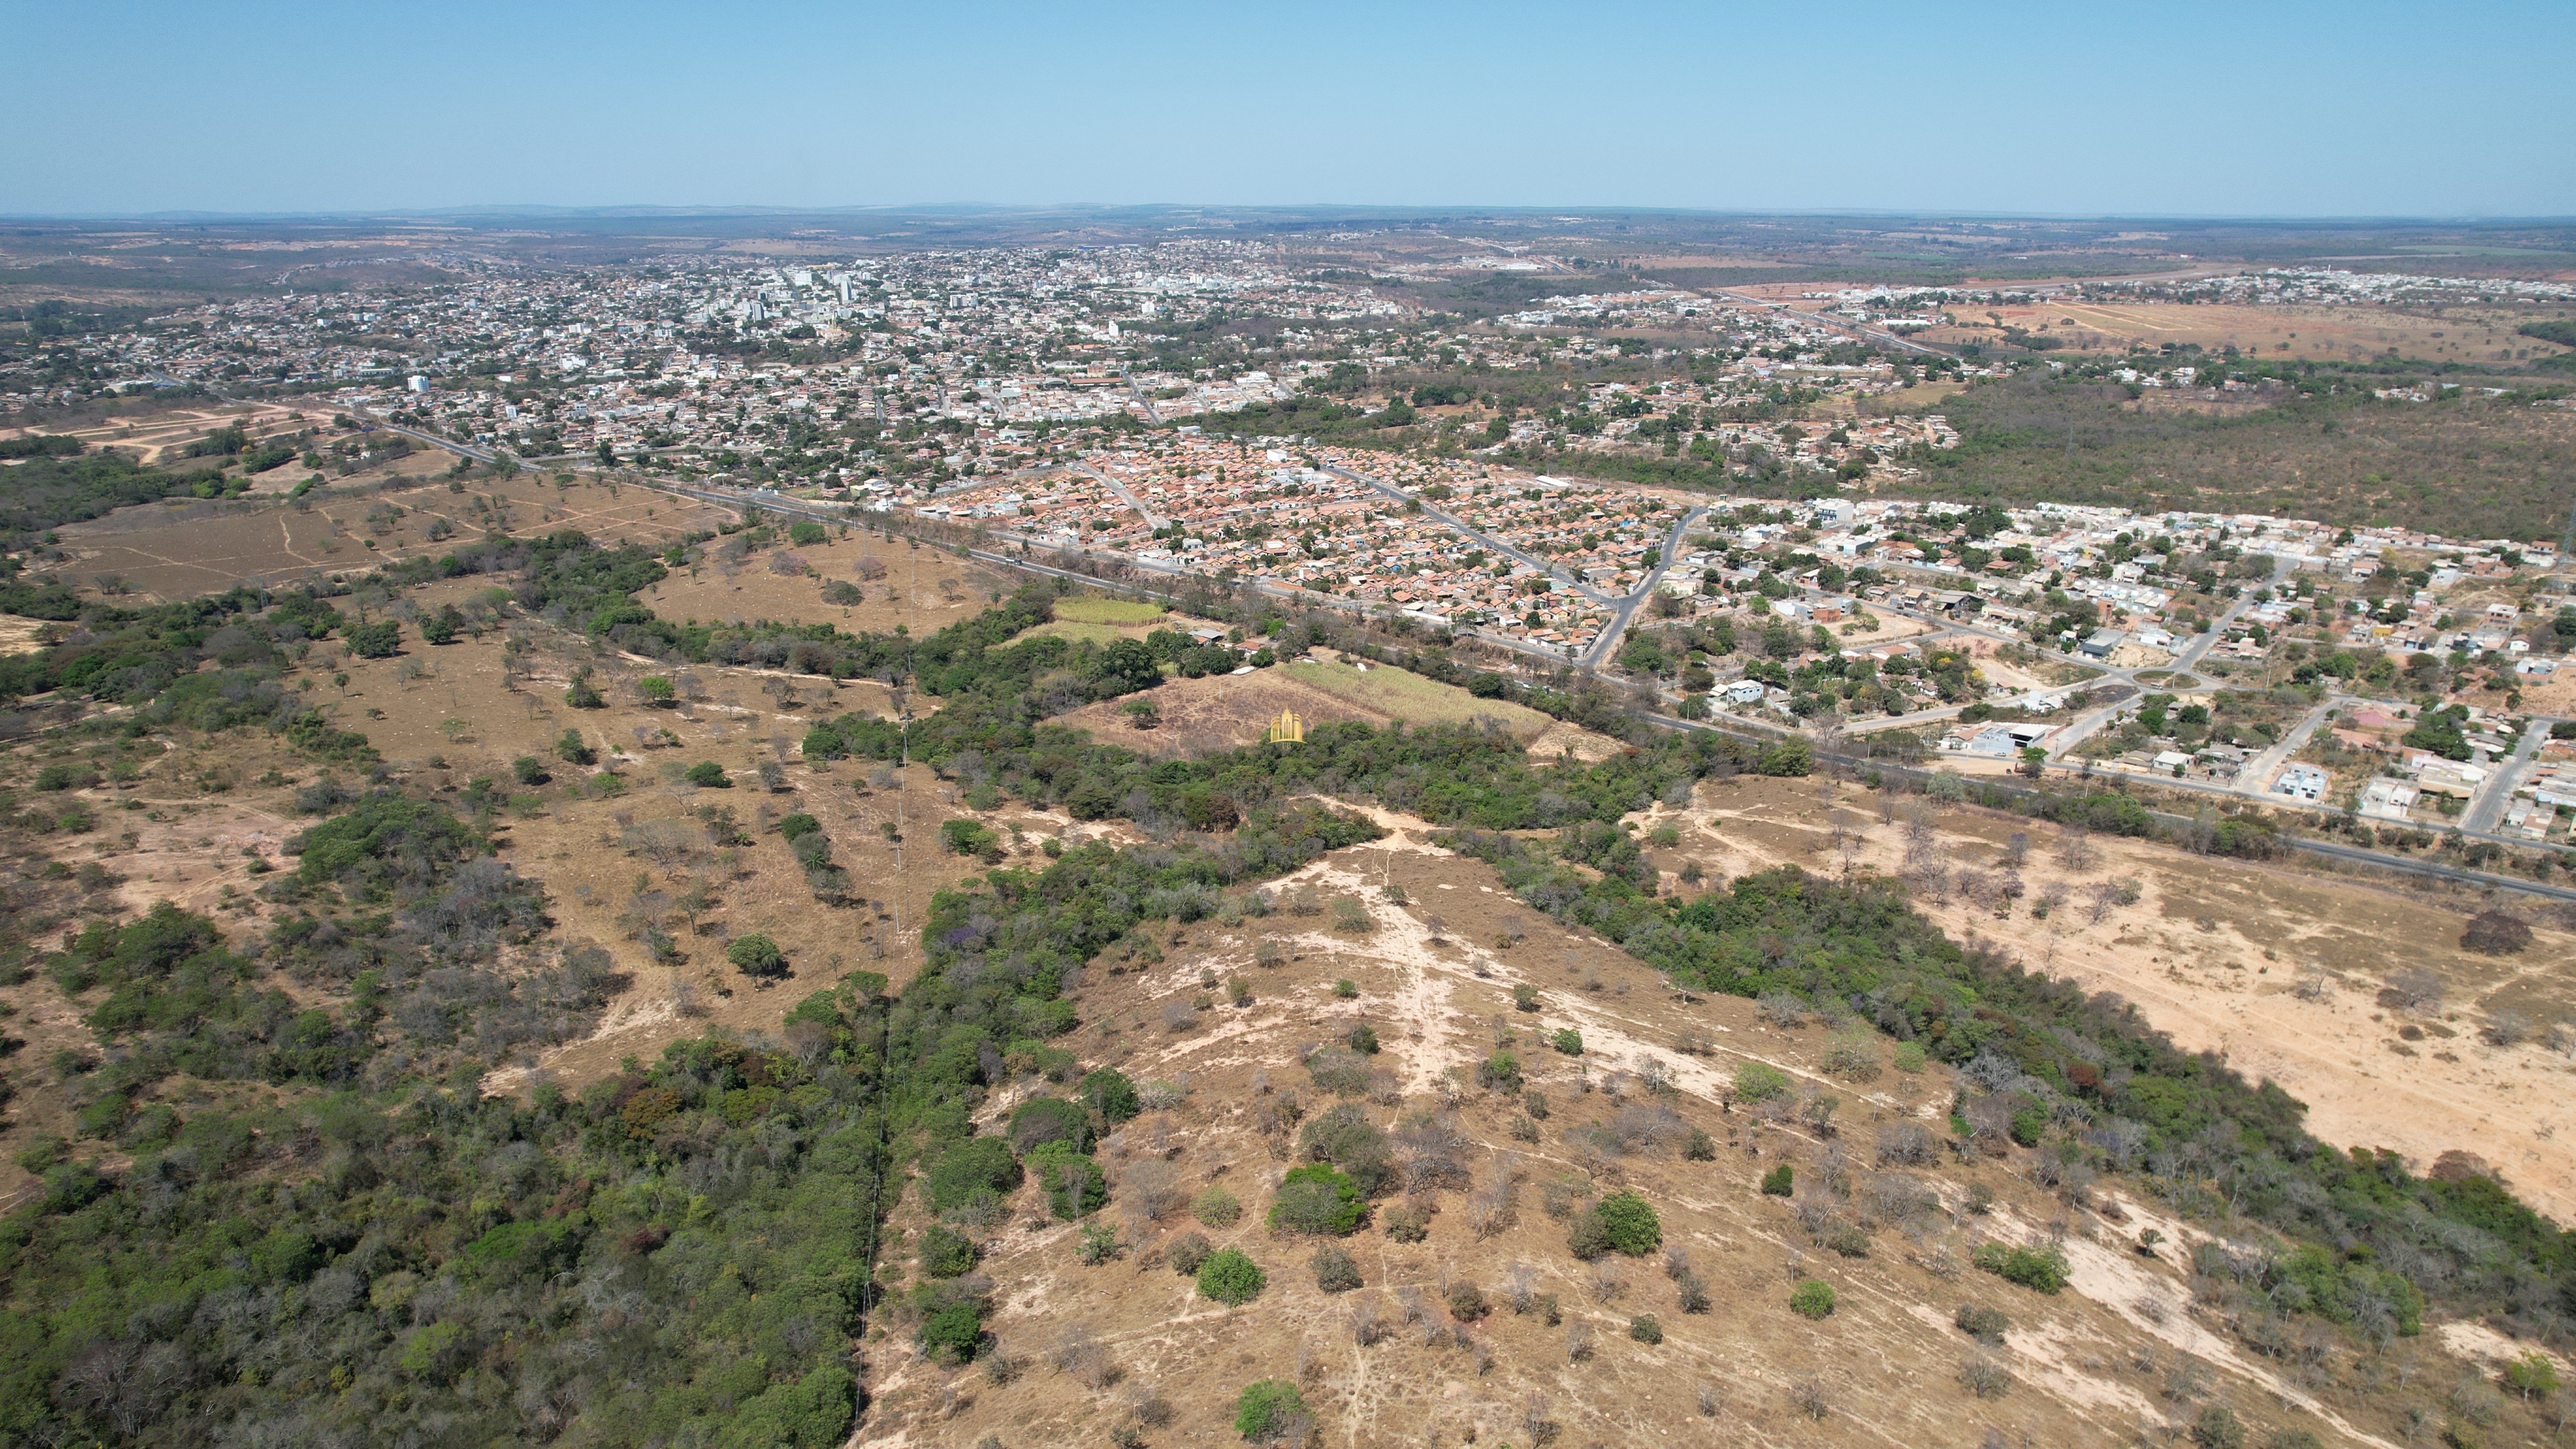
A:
1082,1350
2214,952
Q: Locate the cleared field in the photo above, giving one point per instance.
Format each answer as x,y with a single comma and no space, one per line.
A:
2284,332
919,587
180,549
1219,712
1397,694
1094,609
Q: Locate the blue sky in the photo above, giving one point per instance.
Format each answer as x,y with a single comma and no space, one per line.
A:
2282,109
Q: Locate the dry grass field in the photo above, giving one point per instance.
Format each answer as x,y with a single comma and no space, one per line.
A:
179,549
918,586
1399,694
2294,332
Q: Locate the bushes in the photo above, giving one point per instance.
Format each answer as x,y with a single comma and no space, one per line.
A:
976,1166
1075,1186
708,775
1985,1325
1108,1092
1629,1224
1041,1120
1335,1272
1317,1199
1500,1072
1216,1207
1759,1081
1271,1412
1347,1139
946,1254
1568,1041
2042,1269
2496,933
1646,1328
1779,1181
1813,1299
1230,1278
1623,1222
1187,1252
953,1332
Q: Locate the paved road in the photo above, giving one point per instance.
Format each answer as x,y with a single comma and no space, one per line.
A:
1624,610
2497,793
1152,417
1479,535
2199,648
1122,490
2256,778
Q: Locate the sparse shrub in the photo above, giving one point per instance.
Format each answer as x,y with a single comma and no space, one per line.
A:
1985,1325
1908,1057
1500,1072
2532,1376
1525,997
1699,1147
1335,1271
1779,1181
1984,1377
1813,1299
1216,1207
2217,1428
1407,1224
2042,1269
708,775
1099,1245
1692,1293
1317,1198
1351,916
1808,1394
1568,1040
1534,1103
1230,1278
1271,1412
1646,1328
1187,1252
1759,1081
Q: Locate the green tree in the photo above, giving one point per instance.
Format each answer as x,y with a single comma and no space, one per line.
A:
572,749
1629,1224
756,955
1270,1411
1230,1278
381,639
708,775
